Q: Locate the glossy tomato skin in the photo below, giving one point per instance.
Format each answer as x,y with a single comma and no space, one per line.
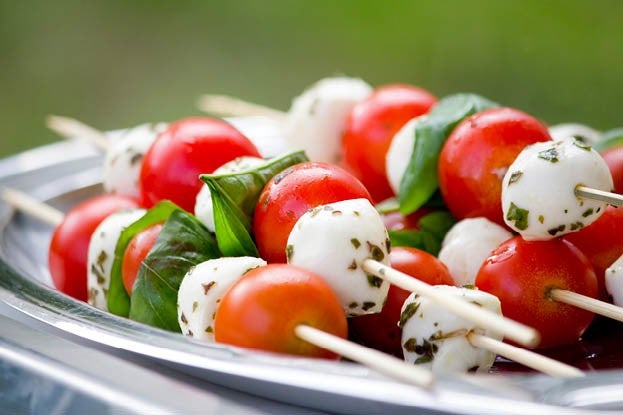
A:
613,157
135,253
67,257
522,273
380,331
262,309
602,243
396,221
188,148
476,156
291,193
370,127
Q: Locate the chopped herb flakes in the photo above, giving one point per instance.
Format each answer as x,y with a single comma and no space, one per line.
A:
354,304
289,252
206,287
367,305
587,213
355,242
376,253
427,350
554,231
195,305
408,312
519,216
183,318
541,218
582,145
551,155
353,265
515,176
575,226
374,281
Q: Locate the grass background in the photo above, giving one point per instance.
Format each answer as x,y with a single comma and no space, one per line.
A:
119,63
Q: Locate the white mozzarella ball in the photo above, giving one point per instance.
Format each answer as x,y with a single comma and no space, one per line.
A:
124,157
317,117
614,281
579,131
101,254
202,289
333,240
436,339
400,152
538,196
204,211
466,246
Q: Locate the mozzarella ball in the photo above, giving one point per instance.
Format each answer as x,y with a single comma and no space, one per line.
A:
538,196
436,339
400,152
202,289
101,254
614,281
264,133
122,163
204,211
580,131
466,246
332,241
317,117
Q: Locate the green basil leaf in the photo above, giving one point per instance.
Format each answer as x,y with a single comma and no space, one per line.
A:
420,181
609,139
234,197
117,298
432,229
231,224
183,243
244,188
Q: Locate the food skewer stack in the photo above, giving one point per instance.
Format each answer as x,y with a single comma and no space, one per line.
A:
242,215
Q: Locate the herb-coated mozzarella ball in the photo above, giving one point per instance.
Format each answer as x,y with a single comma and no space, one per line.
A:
436,338
317,117
400,152
101,254
204,211
466,246
580,131
333,240
202,289
122,163
538,196
614,281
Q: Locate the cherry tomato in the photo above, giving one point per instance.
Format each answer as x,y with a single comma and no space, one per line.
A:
67,258
262,309
380,331
370,127
396,221
476,156
521,274
291,193
135,253
614,159
601,242
188,148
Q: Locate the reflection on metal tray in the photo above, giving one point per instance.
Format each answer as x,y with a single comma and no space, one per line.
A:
337,387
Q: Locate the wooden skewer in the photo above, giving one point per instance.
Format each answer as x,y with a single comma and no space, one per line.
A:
587,303
225,105
70,128
610,198
32,206
527,358
382,362
518,332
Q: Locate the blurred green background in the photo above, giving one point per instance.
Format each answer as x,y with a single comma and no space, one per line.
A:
119,63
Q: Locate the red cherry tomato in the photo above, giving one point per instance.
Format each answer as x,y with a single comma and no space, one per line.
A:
291,193
370,127
135,253
614,159
477,154
262,309
601,242
69,246
521,274
380,331
188,148
396,221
